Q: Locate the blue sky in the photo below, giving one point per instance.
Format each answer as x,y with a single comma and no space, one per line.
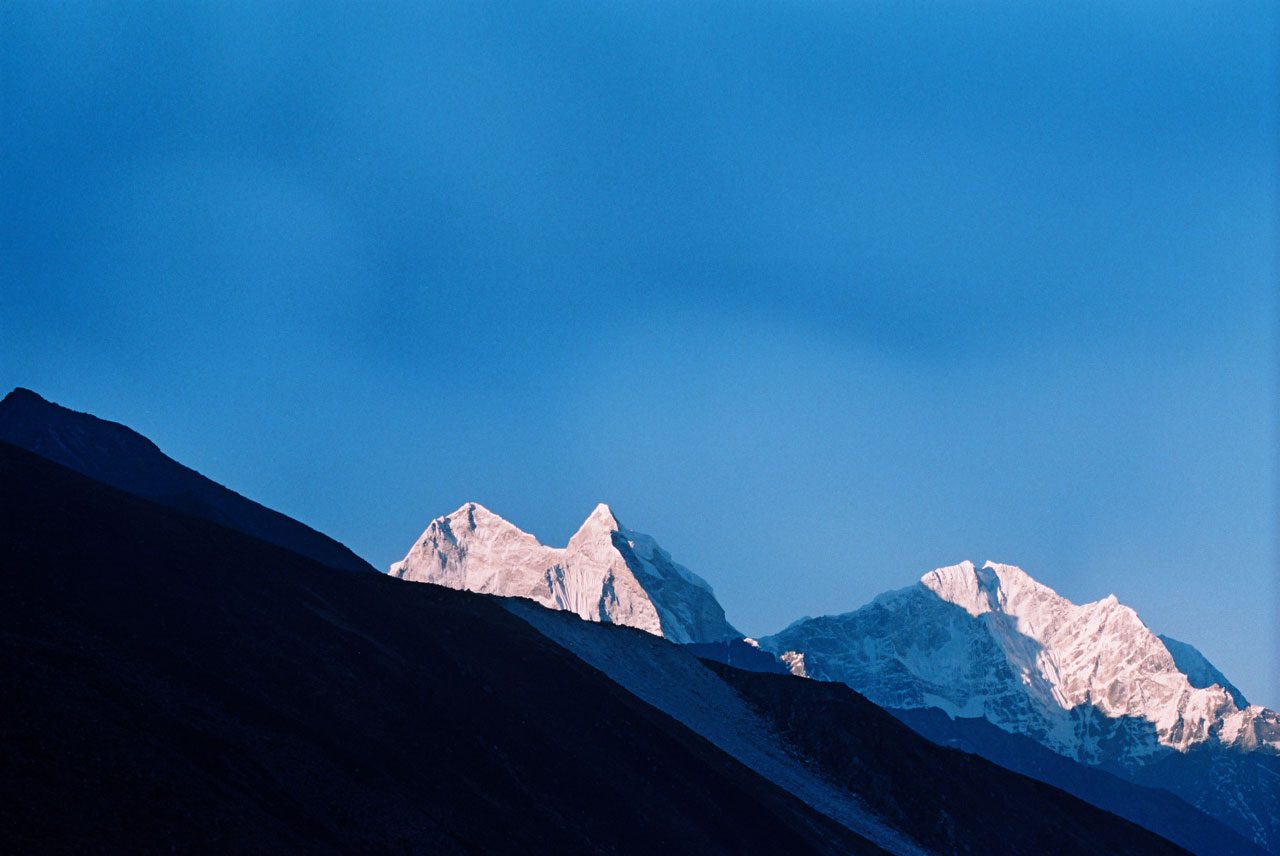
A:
821,295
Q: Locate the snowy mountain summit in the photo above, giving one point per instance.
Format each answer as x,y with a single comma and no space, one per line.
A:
1088,680
606,573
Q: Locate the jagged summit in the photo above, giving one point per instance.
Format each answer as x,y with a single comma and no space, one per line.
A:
605,573
600,522
473,516
994,587
474,510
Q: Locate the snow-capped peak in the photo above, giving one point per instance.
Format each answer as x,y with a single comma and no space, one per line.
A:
605,573
994,642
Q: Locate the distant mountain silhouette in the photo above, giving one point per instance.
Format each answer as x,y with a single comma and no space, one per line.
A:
121,457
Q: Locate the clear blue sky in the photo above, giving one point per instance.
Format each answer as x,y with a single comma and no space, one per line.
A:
821,295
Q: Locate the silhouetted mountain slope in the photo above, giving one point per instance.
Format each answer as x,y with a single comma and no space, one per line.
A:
119,456
740,654
170,683
1152,807
1240,787
953,801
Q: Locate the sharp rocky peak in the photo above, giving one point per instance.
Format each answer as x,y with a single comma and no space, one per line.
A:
471,516
600,522
605,573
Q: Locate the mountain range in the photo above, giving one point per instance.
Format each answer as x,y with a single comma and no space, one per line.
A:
1090,683
189,670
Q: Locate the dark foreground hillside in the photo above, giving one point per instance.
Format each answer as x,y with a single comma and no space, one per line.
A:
171,684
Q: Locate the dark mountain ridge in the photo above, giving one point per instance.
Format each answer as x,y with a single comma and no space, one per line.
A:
121,457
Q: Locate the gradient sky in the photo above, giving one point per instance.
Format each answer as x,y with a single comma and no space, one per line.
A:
821,295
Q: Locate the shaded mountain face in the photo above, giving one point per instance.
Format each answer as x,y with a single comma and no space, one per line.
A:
852,742
121,457
1090,681
173,684
606,573
1152,807
844,755
1239,787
